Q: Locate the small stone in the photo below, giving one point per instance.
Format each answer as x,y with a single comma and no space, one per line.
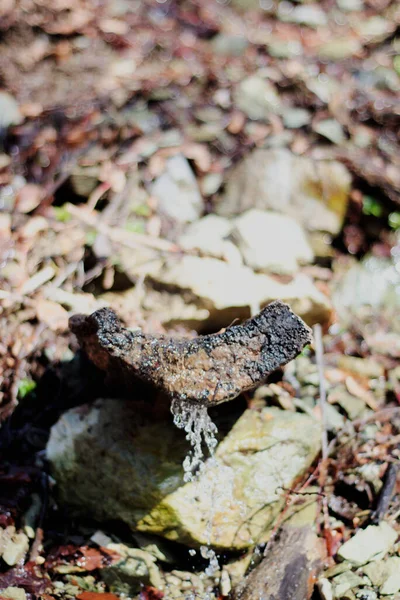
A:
368,544
13,545
325,589
271,242
229,45
208,235
257,98
9,111
177,191
344,582
294,118
384,574
340,48
331,130
135,569
14,593
307,14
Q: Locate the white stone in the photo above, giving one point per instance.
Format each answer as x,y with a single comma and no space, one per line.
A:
177,191
271,241
208,235
368,544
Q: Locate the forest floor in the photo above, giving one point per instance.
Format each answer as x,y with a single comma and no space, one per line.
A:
145,150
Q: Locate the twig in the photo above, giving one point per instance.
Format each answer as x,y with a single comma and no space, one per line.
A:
120,236
319,355
386,493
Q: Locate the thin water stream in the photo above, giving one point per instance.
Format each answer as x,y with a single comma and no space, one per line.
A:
200,430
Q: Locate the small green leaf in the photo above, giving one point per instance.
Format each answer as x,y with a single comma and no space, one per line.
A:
90,237
62,214
371,207
394,220
135,226
142,210
25,387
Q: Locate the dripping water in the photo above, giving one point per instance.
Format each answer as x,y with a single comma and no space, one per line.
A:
200,430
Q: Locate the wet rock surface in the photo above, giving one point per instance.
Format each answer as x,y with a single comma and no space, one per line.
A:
208,369
111,464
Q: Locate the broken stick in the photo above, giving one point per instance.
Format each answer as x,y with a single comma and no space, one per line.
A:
209,369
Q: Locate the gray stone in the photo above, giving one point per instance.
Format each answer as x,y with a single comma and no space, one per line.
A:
108,463
372,282
135,569
208,235
9,111
257,97
307,14
271,241
331,130
177,191
230,45
313,192
293,118
368,544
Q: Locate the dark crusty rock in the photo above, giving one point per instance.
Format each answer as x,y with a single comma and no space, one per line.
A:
209,369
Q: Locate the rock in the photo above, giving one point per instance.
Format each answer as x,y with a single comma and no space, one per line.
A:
344,582
135,569
14,593
371,282
177,191
294,558
111,464
85,179
257,97
294,118
229,291
385,574
229,45
308,14
339,48
9,111
368,544
271,242
315,193
13,545
208,235
331,130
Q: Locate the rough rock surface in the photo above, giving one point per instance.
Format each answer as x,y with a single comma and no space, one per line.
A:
314,192
209,369
229,291
289,569
111,464
271,241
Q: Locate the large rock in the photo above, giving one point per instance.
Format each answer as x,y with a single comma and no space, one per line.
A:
271,242
177,191
111,464
314,192
230,291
